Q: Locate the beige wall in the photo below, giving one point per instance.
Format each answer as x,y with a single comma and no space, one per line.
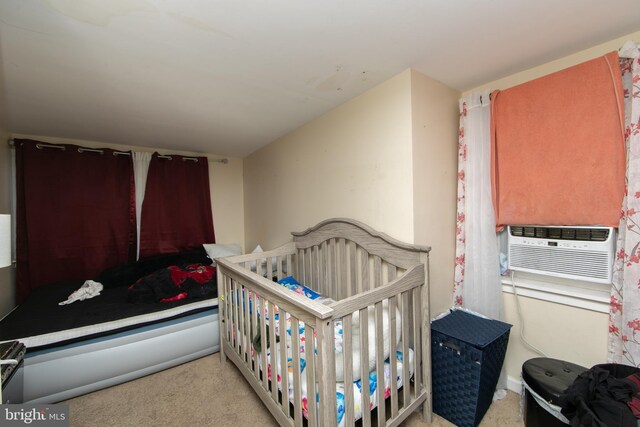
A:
435,121
387,158
562,332
354,161
227,200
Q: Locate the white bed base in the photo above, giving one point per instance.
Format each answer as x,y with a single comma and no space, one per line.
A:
357,267
64,372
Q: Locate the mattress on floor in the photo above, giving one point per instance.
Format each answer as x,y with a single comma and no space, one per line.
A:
40,322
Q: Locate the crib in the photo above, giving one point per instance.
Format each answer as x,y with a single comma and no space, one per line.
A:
370,330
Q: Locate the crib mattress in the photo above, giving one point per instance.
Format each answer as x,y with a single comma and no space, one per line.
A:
40,322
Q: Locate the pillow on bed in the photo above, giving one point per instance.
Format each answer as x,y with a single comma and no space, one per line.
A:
126,274
221,250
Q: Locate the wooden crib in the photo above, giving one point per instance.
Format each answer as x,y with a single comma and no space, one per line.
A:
364,272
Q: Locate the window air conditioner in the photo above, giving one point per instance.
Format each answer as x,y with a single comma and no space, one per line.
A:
581,253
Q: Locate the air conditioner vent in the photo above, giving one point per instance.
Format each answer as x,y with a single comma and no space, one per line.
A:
587,234
584,253
555,233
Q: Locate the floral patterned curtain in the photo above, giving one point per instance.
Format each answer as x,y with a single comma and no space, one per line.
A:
477,272
458,277
624,314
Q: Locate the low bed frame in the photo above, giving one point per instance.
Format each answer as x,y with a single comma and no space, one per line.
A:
66,371
362,270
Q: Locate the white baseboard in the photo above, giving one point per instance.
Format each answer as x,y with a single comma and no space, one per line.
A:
514,384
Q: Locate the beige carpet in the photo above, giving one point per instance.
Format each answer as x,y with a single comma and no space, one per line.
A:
204,393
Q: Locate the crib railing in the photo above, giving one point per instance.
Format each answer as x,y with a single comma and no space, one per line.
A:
359,281
404,294
245,299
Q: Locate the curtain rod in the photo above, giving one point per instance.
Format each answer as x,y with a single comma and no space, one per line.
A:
11,143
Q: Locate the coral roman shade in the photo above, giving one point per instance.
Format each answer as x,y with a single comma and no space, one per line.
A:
558,155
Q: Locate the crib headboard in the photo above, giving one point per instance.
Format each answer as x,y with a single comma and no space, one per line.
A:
341,257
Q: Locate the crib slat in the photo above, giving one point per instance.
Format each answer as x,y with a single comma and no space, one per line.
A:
307,266
341,265
405,350
279,267
312,412
236,321
269,269
284,375
238,308
226,303
259,267
300,264
347,352
352,288
380,365
291,269
332,270
252,335
364,266
315,268
295,356
263,343
416,342
229,312
246,343
326,362
241,300
392,272
272,355
393,358
234,308
301,270
377,272
364,366
322,268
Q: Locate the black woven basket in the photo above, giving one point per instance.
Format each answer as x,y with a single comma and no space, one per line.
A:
467,355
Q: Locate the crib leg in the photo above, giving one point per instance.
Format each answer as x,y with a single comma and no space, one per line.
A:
223,357
427,415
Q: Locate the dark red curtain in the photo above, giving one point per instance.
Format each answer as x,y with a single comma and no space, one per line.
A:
75,213
176,212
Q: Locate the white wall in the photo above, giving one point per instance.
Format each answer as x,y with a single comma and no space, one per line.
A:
563,332
354,161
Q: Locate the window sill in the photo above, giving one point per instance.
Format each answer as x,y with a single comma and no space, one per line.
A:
584,295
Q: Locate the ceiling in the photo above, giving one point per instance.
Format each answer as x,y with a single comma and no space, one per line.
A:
227,77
